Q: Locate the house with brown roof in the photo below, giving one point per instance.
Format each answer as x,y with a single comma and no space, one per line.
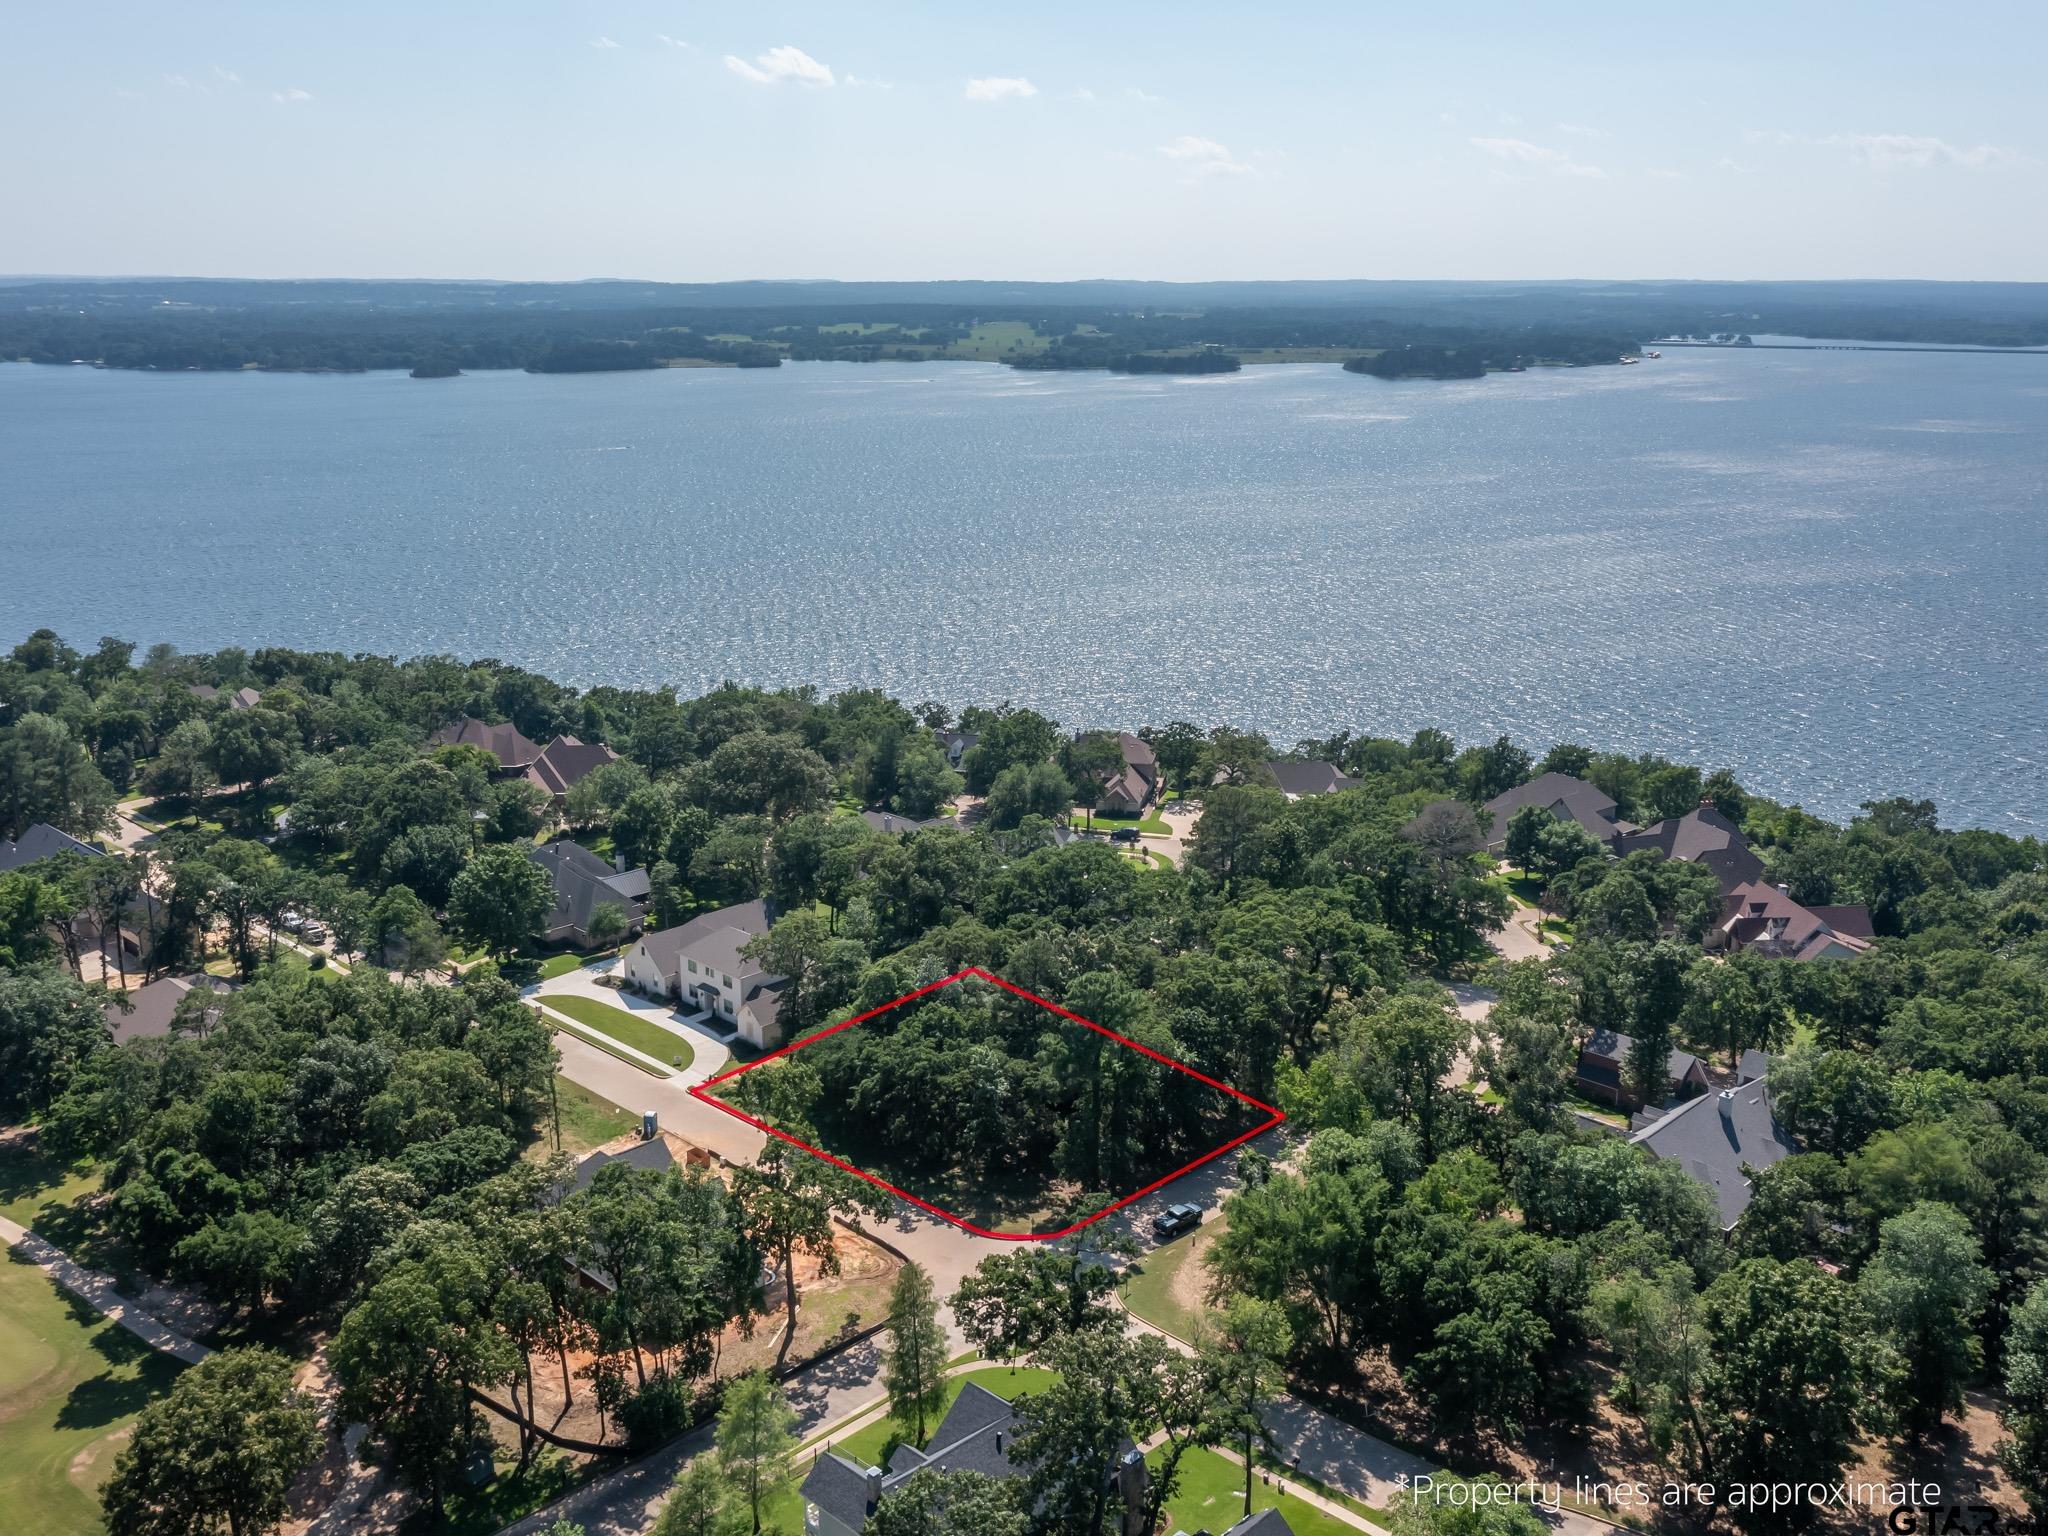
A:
1704,837
1126,791
515,754
566,762
554,769
1765,917
241,698
1566,798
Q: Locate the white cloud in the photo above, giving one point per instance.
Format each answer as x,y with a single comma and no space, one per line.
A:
602,42
1204,157
671,42
1144,97
1000,88
1730,163
863,82
1894,151
227,75
1537,157
291,94
1580,130
780,64
1660,173
1917,151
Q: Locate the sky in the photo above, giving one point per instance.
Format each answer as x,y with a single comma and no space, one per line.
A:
705,142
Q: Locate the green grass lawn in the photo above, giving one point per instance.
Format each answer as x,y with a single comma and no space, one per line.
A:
559,965
70,1382
1151,823
1149,1284
589,1120
1521,885
873,1442
626,1028
1211,1497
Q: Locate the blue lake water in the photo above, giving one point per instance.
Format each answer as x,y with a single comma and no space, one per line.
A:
1822,569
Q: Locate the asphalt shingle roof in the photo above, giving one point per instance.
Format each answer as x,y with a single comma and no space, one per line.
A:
42,841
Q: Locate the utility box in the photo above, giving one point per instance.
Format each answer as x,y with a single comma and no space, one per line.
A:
650,1124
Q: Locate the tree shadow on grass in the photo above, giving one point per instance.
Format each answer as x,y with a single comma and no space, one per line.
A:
107,1398
26,1173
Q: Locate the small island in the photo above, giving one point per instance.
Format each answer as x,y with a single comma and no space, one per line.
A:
436,368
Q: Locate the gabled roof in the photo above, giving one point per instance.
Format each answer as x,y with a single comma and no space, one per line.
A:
1610,1045
584,882
152,1008
1704,837
976,1435
512,750
1760,914
565,762
891,825
1299,779
1139,756
714,939
1563,796
652,1155
1266,1522
244,698
1715,1136
42,841
1753,1066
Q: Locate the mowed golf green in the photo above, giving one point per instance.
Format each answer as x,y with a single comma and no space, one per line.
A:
70,1383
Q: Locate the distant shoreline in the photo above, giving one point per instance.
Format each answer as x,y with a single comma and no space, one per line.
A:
1846,346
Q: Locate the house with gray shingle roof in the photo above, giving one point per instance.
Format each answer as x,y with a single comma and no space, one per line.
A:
978,1434
583,882
1720,1137
1604,1058
1296,780
889,824
699,964
1704,837
42,841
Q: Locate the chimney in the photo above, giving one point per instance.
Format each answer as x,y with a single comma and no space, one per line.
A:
874,1482
1728,1109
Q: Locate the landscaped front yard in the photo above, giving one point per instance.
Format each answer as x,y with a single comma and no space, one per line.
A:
641,1034
1211,1497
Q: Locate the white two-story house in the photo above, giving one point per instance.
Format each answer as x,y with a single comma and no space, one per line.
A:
698,965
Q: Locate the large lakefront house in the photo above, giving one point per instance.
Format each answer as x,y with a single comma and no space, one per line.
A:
1126,791
554,769
1754,914
698,965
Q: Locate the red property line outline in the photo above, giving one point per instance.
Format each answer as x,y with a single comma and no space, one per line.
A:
702,1092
